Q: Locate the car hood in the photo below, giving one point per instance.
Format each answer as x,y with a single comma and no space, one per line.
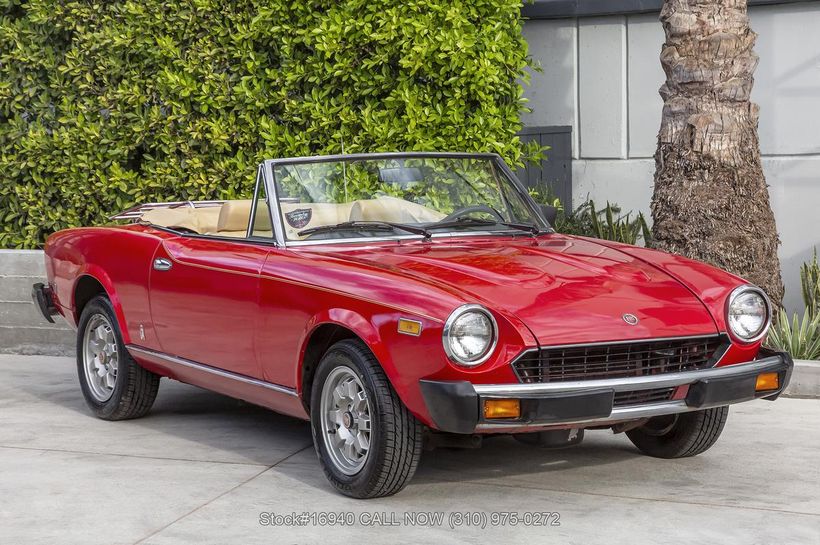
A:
564,289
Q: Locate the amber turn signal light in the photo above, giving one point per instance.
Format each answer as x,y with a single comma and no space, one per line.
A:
502,408
767,381
409,327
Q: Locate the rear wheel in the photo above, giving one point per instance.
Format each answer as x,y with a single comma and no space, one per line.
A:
367,441
680,435
115,387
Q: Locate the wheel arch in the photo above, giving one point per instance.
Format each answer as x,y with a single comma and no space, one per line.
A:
324,331
91,283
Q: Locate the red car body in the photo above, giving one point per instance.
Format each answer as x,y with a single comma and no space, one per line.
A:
253,309
394,312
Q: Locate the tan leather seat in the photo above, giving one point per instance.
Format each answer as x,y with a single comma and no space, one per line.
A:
199,220
231,218
394,210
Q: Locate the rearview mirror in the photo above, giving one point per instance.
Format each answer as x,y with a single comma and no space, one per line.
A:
400,175
549,213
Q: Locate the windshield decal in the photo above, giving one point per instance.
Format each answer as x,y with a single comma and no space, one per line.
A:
299,218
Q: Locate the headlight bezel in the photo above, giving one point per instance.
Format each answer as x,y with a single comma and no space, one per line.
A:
734,294
448,326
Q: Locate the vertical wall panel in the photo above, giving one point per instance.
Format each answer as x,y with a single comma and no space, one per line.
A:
552,92
794,188
602,87
787,81
644,42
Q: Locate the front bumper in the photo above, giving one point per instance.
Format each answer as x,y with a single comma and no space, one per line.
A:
457,406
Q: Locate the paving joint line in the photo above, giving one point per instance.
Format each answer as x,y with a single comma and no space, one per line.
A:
139,456
225,493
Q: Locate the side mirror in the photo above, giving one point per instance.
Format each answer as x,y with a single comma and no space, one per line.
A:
549,213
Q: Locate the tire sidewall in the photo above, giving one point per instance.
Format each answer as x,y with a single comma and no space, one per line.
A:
101,305
691,434
344,355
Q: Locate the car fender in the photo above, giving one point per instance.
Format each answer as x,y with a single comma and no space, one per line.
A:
407,359
356,323
98,273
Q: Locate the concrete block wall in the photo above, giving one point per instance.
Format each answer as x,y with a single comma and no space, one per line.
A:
22,329
601,76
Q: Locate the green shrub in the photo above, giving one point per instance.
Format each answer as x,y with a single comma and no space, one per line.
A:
544,194
810,284
608,224
108,103
800,337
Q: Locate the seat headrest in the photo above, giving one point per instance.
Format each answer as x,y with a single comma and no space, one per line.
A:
386,208
234,216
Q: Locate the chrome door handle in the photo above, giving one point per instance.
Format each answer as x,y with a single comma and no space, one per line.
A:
162,264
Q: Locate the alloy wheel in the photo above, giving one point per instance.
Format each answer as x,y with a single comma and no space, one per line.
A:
100,357
345,418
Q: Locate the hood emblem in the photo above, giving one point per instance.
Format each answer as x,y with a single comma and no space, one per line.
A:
630,319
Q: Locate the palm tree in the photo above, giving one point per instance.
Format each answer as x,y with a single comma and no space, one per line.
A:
710,200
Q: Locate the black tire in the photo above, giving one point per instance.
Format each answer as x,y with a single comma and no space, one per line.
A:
680,436
395,434
135,388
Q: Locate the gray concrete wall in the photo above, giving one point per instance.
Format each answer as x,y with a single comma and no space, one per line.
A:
601,76
22,329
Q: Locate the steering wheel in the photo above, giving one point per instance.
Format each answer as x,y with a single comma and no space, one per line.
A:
467,210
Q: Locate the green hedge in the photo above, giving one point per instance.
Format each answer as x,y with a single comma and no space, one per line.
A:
108,103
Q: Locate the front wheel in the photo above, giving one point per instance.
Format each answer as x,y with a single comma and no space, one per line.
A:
680,435
367,441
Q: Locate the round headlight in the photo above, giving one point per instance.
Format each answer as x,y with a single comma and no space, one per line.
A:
469,335
748,313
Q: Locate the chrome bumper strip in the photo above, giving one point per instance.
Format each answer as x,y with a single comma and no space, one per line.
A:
626,384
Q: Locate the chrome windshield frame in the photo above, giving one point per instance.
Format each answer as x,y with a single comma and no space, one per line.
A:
276,212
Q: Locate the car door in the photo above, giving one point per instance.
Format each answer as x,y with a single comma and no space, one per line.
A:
204,290
204,296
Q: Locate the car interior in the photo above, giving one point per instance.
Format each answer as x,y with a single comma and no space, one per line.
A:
231,218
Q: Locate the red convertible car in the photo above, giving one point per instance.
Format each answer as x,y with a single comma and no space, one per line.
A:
397,299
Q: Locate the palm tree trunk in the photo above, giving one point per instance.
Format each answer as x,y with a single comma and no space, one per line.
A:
711,200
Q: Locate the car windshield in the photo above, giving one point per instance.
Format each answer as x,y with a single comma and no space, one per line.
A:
400,196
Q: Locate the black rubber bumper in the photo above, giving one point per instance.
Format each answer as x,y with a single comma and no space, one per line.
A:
456,406
44,301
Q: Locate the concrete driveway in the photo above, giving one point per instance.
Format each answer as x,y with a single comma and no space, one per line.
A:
203,469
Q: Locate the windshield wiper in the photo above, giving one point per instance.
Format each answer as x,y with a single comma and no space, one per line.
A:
365,226
475,222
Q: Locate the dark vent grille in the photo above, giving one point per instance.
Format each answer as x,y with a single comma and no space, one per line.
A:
618,360
637,397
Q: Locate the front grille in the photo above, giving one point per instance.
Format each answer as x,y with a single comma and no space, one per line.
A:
637,397
619,360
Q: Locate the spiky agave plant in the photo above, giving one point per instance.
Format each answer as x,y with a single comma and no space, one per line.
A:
810,283
799,337
607,223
